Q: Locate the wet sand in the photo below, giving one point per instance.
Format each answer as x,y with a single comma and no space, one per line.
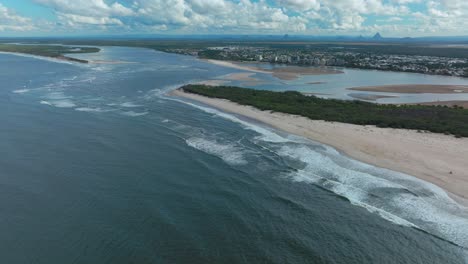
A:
436,158
242,76
213,82
369,97
287,73
414,88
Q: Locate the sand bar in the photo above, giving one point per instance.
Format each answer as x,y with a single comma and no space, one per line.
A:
213,82
415,88
436,158
369,97
238,66
110,62
240,76
283,73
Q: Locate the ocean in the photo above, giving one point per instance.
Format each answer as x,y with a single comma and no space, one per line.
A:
99,165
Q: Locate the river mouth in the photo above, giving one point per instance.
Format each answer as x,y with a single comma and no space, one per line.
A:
97,160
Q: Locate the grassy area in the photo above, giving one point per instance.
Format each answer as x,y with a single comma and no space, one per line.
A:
436,119
53,51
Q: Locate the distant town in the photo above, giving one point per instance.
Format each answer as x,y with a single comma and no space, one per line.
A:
334,56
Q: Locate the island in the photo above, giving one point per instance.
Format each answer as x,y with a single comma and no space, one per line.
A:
51,51
414,139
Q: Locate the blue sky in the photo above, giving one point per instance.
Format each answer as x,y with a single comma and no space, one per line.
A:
298,17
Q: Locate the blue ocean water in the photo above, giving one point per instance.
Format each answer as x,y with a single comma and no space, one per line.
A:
98,165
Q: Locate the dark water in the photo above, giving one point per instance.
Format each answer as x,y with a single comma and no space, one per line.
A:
98,166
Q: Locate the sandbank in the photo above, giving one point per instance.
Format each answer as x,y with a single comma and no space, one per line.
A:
284,73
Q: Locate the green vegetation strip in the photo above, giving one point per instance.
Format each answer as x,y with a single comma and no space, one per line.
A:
436,119
53,51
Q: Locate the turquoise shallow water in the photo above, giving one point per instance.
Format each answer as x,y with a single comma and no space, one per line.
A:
98,166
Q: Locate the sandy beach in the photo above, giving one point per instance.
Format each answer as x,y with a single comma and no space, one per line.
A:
283,73
436,158
414,88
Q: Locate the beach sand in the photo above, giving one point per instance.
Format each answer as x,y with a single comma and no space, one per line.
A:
284,73
213,82
238,66
436,158
245,77
369,97
240,76
414,88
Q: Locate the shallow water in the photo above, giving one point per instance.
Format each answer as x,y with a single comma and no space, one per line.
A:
335,85
99,166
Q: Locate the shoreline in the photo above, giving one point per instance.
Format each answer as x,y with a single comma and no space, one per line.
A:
399,150
60,58
289,73
414,88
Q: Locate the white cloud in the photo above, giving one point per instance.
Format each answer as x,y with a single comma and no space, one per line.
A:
72,19
300,5
87,7
10,21
252,16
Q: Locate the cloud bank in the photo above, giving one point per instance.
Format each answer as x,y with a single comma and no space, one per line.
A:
391,17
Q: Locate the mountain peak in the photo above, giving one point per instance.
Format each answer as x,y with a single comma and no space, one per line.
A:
377,36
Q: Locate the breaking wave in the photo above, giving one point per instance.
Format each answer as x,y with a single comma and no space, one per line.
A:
230,153
134,114
66,103
396,197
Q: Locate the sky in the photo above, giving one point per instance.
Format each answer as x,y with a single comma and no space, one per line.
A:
392,18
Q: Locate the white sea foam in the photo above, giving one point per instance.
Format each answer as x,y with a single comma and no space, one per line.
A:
134,114
57,96
230,153
265,134
130,105
59,103
396,197
71,79
21,91
160,93
63,103
90,109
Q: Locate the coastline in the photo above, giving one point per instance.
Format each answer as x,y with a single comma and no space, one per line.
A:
61,58
435,158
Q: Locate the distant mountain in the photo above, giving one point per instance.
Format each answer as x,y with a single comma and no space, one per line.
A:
377,36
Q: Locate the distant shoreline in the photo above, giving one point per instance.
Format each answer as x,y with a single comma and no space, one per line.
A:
435,158
60,57
414,88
